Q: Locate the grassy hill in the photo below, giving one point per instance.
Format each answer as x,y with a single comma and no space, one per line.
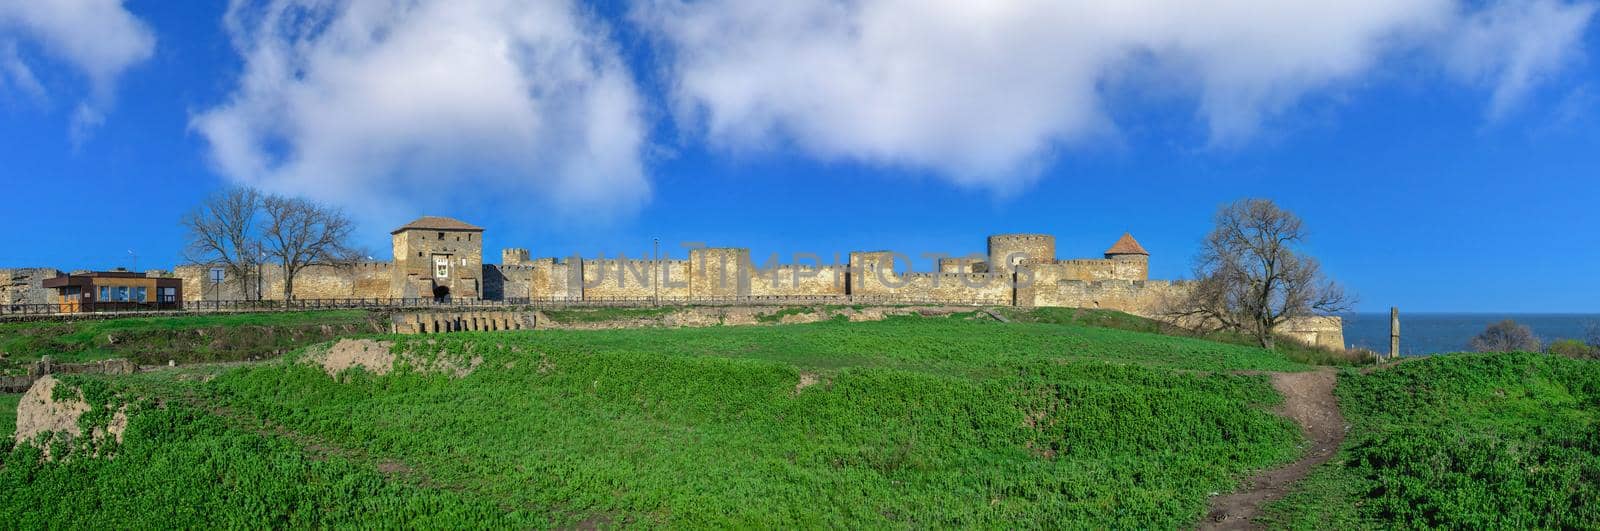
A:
909,422
185,339
1469,441
1063,418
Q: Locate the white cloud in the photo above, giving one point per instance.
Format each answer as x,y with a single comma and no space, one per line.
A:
99,38
394,107
1512,46
983,92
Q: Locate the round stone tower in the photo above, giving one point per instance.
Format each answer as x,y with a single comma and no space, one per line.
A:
1005,250
1129,259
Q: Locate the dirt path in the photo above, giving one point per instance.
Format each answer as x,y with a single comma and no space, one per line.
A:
1308,400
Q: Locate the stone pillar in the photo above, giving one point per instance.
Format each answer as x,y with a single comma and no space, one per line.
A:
1394,332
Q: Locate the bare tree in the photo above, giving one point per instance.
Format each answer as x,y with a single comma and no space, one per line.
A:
223,232
299,234
1252,278
1506,336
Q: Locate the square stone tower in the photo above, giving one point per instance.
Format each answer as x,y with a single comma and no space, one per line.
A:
437,257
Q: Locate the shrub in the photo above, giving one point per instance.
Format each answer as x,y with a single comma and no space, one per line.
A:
1506,336
1573,348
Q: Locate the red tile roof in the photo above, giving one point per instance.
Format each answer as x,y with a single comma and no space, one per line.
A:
437,223
1126,245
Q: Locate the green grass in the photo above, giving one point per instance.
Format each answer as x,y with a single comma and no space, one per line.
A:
911,422
154,340
597,315
1462,441
8,415
776,317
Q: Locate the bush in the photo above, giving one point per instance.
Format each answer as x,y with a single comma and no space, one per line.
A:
1573,348
1506,336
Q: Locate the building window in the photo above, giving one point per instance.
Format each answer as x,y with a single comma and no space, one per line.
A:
105,293
469,236
139,294
441,236
167,294
119,293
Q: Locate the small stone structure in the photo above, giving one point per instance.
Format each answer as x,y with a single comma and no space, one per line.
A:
447,321
46,367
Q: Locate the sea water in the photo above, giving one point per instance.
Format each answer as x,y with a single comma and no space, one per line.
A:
1432,333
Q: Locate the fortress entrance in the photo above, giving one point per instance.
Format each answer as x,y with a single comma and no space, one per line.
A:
441,293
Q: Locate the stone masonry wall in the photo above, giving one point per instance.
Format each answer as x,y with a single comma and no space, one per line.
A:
365,280
719,272
1326,332
25,285
1005,250
798,281
635,279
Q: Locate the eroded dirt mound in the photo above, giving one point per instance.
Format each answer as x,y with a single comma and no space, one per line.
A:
39,413
378,357
41,418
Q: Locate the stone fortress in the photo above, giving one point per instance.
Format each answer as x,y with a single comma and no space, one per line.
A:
442,259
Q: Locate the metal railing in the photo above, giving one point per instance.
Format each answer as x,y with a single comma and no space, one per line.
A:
205,306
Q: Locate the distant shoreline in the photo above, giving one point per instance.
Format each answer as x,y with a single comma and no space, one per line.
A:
1440,332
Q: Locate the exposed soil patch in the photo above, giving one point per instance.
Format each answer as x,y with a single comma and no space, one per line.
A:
807,379
1307,400
376,357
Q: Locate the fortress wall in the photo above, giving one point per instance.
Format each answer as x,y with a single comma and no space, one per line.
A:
872,273
1143,298
1036,281
1006,250
26,285
364,280
514,256
718,272
963,264
539,279
197,284
1325,331
798,281
635,279
552,279
959,288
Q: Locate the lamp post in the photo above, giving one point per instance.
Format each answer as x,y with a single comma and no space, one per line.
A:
656,262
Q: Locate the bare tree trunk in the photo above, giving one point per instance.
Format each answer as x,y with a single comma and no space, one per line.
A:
1251,277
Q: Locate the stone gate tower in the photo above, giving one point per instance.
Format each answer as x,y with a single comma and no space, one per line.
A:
438,257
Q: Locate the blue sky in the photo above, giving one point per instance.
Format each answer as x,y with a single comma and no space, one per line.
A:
1443,154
